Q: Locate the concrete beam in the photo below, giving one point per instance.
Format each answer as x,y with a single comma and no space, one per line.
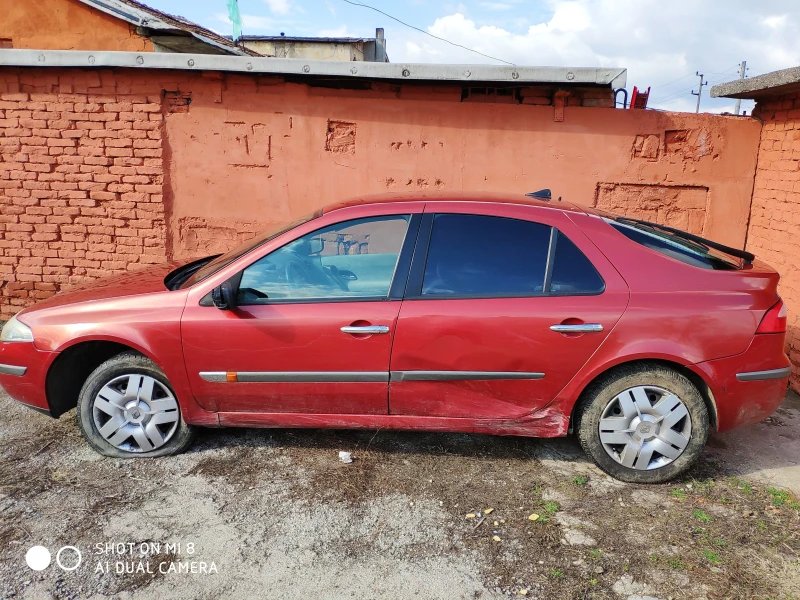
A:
474,74
768,84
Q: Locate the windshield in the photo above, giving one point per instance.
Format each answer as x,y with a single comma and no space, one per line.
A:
223,261
670,243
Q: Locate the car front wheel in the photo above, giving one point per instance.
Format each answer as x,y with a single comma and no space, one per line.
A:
643,423
127,409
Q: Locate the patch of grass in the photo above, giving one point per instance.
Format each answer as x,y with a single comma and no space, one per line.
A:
596,554
580,481
654,558
676,563
720,543
678,494
556,573
761,526
551,507
780,497
711,556
593,581
741,485
701,516
703,487
537,490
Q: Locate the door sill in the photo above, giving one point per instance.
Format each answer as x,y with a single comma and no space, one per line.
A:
547,422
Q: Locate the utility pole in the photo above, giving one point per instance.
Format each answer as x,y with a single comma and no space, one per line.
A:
699,91
742,69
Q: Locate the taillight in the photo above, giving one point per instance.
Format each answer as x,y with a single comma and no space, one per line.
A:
774,320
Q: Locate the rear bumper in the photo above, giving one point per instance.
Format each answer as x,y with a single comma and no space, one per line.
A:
748,387
23,371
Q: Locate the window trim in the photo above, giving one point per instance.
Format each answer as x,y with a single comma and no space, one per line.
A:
420,259
396,285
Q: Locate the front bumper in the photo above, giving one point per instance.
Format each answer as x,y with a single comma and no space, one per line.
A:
23,372
748,387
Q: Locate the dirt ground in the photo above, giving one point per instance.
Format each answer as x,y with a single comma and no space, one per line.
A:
275,514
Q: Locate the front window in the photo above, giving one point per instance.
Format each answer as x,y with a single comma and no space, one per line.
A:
354,259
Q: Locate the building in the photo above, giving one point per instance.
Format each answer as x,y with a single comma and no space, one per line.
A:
774,227
124,25
348,49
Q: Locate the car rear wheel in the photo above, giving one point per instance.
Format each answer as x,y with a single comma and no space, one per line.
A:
127,409
643,423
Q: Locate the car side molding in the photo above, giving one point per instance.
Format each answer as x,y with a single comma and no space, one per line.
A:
762,375
461,375
359,376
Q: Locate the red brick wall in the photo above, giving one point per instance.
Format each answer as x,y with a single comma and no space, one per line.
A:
80,183
774,230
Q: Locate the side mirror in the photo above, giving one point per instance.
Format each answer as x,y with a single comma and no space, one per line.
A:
223,296
316,245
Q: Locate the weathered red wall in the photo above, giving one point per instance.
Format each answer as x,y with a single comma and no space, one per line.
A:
774,231
66,25
103,170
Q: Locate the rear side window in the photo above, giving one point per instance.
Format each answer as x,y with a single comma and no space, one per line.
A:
482,256
573,273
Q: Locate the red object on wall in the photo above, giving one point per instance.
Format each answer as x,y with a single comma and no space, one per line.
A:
639,98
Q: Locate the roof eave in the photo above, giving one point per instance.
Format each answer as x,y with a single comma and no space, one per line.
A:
768,84
141,18
476,74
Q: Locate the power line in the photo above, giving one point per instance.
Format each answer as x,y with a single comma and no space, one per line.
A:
427,33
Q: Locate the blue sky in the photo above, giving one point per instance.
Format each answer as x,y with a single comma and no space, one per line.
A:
662,43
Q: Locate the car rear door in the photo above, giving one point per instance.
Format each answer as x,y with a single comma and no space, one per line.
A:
313,328
503,306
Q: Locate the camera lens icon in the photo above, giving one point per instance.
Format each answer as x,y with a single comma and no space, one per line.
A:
38,558
68,558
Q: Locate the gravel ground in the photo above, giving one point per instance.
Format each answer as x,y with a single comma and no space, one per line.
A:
274,514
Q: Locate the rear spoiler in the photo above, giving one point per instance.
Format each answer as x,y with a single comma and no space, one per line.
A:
747,257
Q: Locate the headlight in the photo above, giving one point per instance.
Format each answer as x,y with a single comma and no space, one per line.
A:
15,331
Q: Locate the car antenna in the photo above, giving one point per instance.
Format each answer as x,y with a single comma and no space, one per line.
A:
544,194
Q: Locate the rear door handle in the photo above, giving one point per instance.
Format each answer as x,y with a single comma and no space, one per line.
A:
579,328
369,329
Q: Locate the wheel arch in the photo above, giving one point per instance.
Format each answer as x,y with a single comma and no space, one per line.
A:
73,365
696,379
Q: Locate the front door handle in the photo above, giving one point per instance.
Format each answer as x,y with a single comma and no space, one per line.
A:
365,329
578,328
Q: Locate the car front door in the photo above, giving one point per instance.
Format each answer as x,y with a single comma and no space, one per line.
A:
500,313
313,327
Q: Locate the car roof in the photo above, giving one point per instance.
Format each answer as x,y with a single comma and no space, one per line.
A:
454,196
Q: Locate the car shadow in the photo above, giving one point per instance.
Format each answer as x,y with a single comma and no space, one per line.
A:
769,451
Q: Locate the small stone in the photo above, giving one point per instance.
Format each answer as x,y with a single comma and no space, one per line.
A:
599,570
496,523
533,517
470,516
488,511
523,592
496,539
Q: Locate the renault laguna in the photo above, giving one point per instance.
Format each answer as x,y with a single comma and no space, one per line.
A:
478,313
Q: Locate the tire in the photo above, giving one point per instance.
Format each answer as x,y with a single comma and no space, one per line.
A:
637,403
127,409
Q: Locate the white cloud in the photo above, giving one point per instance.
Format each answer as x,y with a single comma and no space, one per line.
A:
658,42
775,22
279,7
495,5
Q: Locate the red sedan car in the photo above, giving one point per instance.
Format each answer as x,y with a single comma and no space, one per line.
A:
471,313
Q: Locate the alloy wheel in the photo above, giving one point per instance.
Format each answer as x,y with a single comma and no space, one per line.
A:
136,413
645,427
